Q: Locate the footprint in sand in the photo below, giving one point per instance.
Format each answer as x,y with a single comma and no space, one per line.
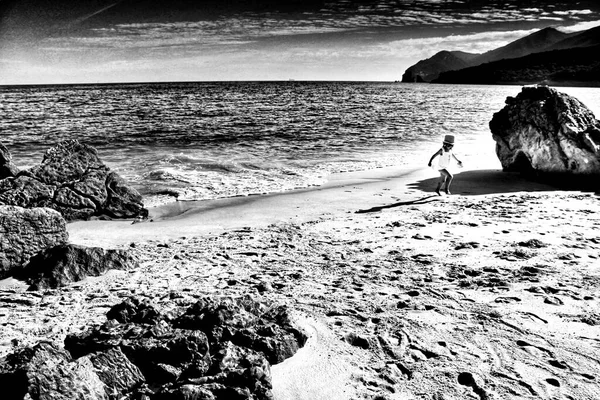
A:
553,382
559,364
555,301
507,300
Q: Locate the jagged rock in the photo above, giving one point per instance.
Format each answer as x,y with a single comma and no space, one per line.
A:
544,131
7,168
25,232
73,180
46,372
272,333
215,349
122,201
134,310
118,374
66,263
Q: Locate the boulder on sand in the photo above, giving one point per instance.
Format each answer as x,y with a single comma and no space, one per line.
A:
25,232
72,180
63,264
543,131
219,348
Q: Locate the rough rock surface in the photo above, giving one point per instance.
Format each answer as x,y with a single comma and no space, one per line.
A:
73,180
7,167
63,264
46,371
24,232
217,348
544,131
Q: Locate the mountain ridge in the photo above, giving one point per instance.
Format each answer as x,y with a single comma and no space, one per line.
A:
438,68
574,67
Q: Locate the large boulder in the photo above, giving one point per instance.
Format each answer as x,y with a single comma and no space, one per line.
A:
66,263
72,180
7,167
218,348
25,232
543,131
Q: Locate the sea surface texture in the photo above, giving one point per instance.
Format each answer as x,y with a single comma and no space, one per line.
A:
211,140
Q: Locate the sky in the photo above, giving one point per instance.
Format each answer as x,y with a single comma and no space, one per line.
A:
101,41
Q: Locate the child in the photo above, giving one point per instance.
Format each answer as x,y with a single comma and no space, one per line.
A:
445,156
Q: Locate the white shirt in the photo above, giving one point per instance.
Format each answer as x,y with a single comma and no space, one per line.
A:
444,159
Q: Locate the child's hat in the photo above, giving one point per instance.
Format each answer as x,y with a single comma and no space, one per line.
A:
449,139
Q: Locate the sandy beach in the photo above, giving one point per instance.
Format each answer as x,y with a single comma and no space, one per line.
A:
490,293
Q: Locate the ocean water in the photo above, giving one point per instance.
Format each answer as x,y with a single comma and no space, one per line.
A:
211,140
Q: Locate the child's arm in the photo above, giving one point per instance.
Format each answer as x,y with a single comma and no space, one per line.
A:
439,152
457,160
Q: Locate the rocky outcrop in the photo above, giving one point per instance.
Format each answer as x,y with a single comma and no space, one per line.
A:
216,349
46,371
544,131
25,232
63,264
72,180
7,167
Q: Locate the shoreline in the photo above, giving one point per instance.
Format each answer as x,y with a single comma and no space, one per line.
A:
342,194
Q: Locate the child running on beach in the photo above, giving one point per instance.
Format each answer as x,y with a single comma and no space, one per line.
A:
445,156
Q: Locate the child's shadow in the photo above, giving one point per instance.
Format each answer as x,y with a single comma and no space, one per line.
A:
482,182
423,200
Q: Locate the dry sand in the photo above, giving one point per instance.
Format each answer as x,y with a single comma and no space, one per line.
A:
491,293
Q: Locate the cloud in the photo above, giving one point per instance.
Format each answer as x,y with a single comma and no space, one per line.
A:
574,12
581,26
245,28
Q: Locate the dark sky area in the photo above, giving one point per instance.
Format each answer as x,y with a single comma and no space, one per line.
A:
67,41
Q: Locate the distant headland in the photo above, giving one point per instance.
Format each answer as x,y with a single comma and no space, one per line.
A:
546,56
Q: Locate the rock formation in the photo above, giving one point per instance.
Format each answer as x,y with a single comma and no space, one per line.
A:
544,131
63,264
216,349
24,232
72,180
46,371
7,168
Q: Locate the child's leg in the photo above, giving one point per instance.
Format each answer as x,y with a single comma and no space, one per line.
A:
440,182
448,180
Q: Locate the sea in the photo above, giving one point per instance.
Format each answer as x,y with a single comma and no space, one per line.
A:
208,140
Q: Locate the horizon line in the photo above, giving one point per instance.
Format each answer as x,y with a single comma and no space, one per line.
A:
202,81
